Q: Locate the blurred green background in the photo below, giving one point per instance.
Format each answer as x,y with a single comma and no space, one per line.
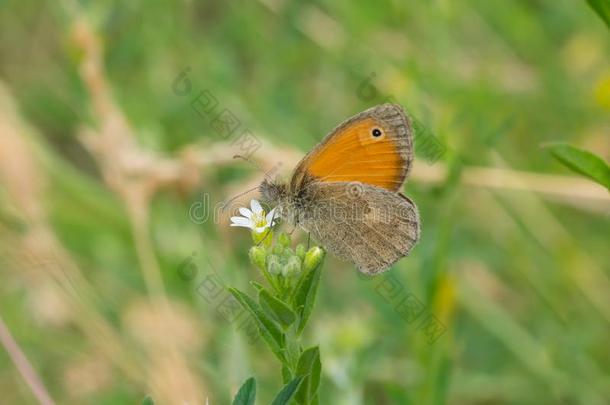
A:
101,162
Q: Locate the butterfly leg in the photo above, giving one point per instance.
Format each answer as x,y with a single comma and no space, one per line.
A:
294,226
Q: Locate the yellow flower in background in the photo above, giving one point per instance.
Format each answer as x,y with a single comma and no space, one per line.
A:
444,300
602,91
582,53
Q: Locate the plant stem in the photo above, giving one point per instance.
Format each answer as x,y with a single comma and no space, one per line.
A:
24,366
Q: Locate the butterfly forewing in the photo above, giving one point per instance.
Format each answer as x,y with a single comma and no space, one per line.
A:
374,147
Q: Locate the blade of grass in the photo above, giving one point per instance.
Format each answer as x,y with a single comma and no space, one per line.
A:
24,366
582,162
602,8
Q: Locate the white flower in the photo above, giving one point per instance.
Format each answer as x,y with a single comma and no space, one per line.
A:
254,219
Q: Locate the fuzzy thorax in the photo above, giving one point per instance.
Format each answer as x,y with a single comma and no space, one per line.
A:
277,194
273,193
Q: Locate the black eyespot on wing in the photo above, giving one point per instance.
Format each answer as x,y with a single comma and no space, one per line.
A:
376,132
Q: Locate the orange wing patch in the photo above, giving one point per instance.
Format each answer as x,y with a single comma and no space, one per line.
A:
362,152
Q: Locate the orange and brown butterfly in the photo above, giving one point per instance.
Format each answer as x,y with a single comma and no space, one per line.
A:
346,191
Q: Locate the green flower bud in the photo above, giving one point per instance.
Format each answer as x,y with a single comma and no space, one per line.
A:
287,253
284,239
292,268
273,264
313,258
257,256
300,251
278,249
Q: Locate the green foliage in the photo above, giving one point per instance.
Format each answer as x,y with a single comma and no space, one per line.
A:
269,330
247,393
308,367
280,311
148,401
281,320
305,294
602,8
583,162
288,392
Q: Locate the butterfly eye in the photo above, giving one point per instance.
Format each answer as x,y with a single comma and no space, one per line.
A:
376,132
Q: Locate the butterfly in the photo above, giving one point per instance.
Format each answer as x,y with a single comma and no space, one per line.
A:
346,191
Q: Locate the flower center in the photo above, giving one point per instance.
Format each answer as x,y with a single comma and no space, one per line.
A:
259,219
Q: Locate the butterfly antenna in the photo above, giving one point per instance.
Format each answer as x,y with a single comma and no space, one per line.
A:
253,163
224,206
247,159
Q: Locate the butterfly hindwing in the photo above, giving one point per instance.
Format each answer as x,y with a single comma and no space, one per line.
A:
369,226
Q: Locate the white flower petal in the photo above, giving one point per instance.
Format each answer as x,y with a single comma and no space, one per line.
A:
260,229
271,217
243,225
242,221
245,212
256,207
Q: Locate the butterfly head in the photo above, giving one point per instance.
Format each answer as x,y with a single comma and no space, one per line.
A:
273,192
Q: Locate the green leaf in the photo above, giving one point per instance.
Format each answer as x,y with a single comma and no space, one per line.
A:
305,295
279,310
247,393
601,7
267,327
256,285
286,374
309,366
583,162
287,392
148,401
